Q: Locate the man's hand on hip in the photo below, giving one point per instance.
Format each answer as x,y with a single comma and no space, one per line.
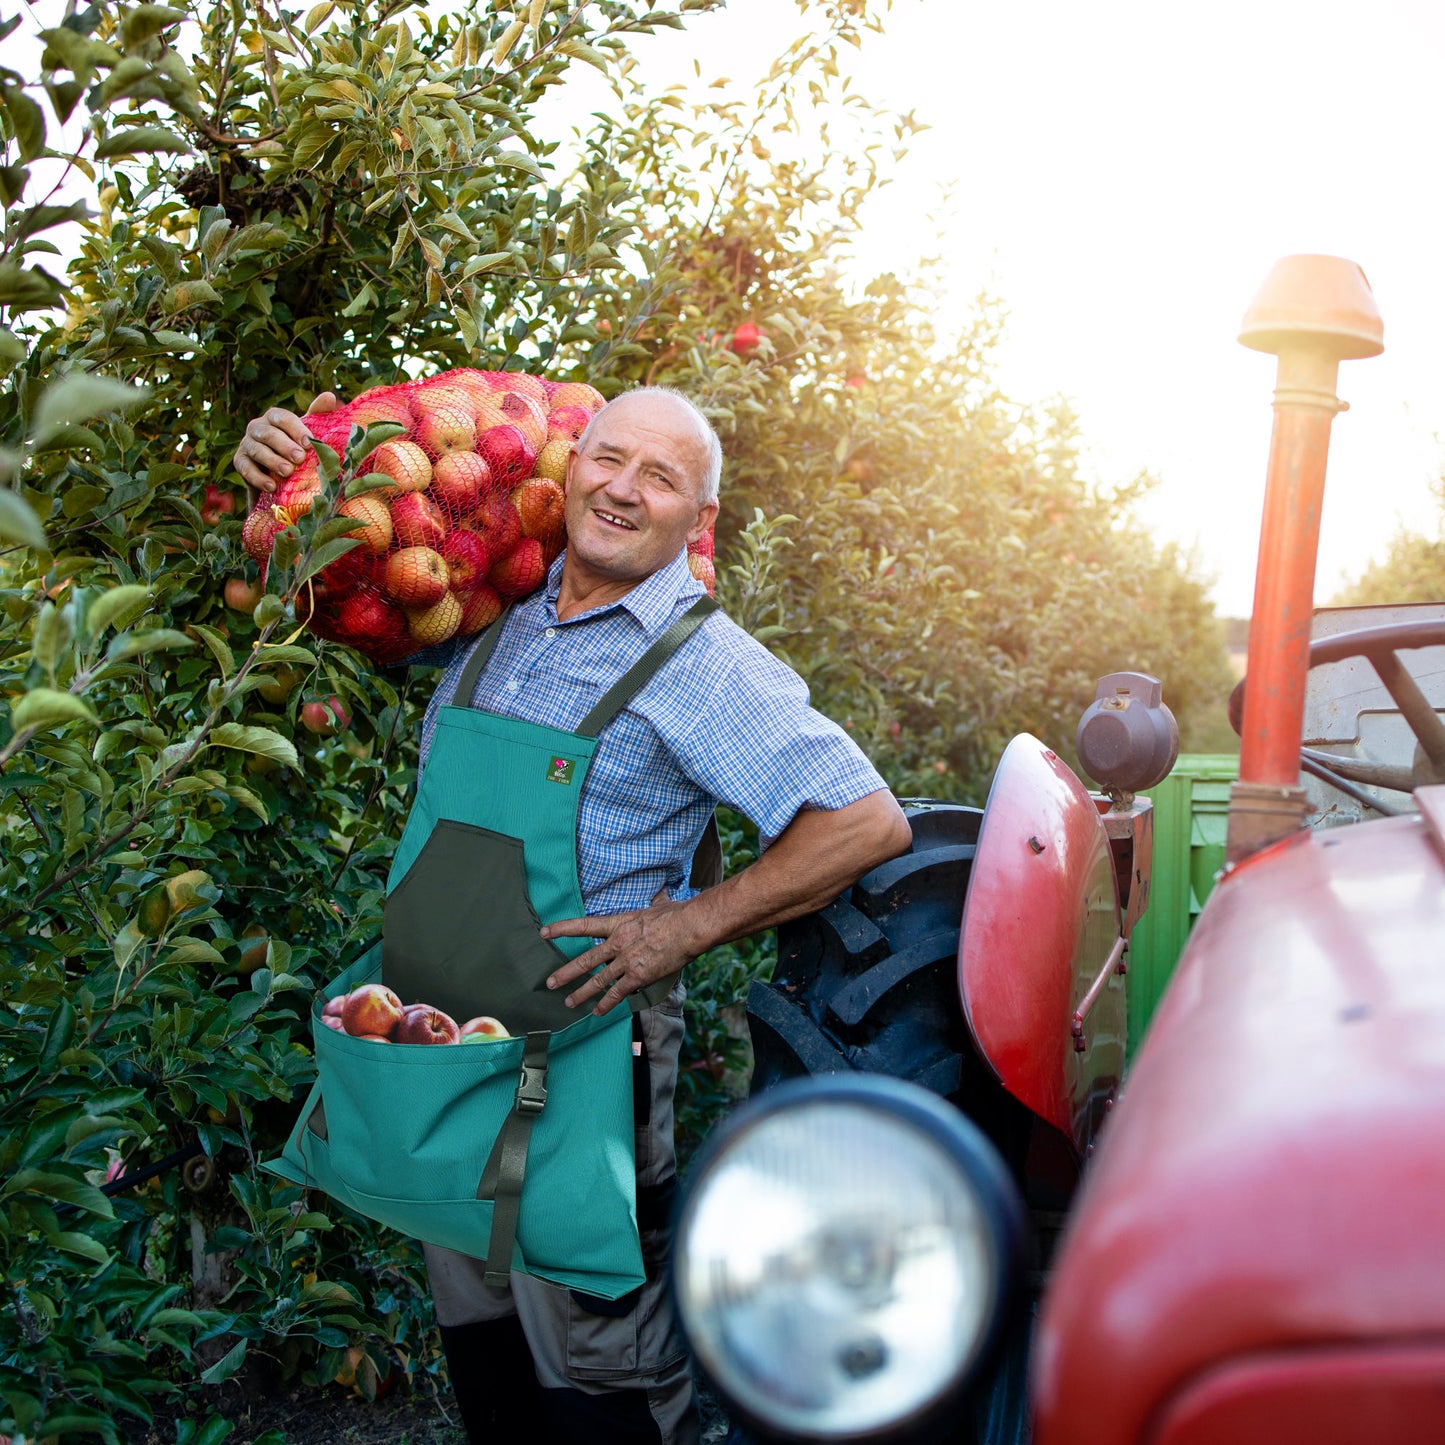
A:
814,858
637,949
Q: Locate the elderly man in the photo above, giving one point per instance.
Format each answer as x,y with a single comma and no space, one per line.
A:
722,721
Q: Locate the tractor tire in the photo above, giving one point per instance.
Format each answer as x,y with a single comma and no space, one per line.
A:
870,982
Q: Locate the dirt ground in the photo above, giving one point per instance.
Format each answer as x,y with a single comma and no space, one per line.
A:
263,1412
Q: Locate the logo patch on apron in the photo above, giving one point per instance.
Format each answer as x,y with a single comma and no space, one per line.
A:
559,770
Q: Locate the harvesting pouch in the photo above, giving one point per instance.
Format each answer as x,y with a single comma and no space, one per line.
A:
416,1136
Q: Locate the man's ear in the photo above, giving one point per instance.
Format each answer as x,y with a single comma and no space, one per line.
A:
706,516
567,475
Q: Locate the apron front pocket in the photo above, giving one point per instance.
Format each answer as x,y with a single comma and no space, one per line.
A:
460,933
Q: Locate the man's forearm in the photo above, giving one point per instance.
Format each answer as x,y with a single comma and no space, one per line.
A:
818,855
814,859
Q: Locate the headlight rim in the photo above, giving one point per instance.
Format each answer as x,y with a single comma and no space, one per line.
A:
961,1140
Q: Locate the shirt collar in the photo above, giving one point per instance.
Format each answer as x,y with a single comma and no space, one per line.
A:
652,602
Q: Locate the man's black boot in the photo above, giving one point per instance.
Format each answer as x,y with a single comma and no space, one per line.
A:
494,1380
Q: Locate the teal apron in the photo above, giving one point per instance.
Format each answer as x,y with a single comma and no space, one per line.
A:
519,1151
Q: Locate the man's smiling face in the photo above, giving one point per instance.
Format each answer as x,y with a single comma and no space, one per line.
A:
634,490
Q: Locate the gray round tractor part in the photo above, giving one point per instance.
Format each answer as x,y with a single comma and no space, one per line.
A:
1128,738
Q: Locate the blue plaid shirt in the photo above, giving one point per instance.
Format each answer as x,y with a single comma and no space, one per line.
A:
723,721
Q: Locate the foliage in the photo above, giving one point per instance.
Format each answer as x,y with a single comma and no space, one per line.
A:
1412,569
284,204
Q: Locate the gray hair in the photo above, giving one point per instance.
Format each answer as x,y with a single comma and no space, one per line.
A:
706,437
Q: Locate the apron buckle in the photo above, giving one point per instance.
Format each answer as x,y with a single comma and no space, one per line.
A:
532,1090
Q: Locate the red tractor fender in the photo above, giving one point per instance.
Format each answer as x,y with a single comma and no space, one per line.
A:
1040,952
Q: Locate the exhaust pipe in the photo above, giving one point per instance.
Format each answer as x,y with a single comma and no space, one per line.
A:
1312,312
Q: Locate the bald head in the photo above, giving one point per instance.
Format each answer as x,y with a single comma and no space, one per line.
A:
694,422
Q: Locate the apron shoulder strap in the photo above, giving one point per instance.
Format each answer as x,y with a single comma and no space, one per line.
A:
645,668
476,663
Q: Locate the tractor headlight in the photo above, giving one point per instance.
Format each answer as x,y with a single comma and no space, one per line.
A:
843,1256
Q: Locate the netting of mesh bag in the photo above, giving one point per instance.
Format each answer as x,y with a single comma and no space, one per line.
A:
470,518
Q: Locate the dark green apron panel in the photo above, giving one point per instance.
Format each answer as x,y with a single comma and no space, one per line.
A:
469,952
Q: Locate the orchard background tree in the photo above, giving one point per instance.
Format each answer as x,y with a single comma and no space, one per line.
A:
277,202
1412,569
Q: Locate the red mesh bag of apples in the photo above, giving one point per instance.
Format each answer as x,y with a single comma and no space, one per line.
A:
468,517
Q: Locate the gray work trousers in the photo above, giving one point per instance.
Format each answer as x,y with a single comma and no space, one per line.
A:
574,1348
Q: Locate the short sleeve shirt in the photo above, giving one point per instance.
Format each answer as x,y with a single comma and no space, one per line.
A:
722,722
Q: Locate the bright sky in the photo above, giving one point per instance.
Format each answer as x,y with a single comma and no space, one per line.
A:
1127,172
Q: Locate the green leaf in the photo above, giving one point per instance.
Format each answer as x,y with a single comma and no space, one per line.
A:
194,950
261,741
286,652
63,1187
79,397
325,555
374,436
12,348
58,1035
119,606
190,293
18,523
147,21
141,140
487,261
46,707
371,482
133,644
27,121
73,1242
52,637
328,463
28,288
250,801
226,1366
220,648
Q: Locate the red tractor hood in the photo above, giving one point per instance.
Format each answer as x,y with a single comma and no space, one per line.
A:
1273,1179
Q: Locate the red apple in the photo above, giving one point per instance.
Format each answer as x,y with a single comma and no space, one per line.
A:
552,459
416,576
426,1025
480,608
701,567
417,521
467,559
430,625
333,1021
498,524
334,1006
373,1009
576,393
540,505
323,718
447,421
746,338
241,595
375,518
523,570
403,461
459,481
527,415
258,534
568,421
508,452
520,382
367,410
367,617
374,1038
482,1029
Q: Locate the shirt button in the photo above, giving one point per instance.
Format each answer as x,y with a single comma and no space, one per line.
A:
511,684
551,633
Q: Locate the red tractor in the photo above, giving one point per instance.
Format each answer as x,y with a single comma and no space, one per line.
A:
1256,1251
